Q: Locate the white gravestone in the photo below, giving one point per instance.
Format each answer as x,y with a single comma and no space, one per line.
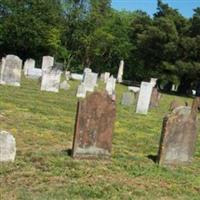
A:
110,85
106,76
144,98
29,64
90,81
34,73
153,81
67,75
11,70
133,89
7,147
51,80
75,76
120,72
47,63
81,92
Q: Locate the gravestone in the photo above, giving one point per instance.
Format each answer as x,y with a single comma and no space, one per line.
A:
128,99
34,73
120,72
29,64
155,98
87,70
105,76
94,126
153,81
47,63
51,80
144,98
11,71
81,91
110,85
90,81
179,135
67,75
75,76
64,85
7,147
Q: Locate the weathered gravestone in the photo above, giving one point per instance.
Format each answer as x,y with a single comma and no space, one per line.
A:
90,81
155,98
11,70
128,99
75,76
144,98
67,75
29,64
94,126
179,135
110,85
120,72
51,80
7,147
34,73
153,81
47,63
105,76
81,91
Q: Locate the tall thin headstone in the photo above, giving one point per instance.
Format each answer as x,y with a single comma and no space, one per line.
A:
110,85
144,98
120,72
94,126
11,71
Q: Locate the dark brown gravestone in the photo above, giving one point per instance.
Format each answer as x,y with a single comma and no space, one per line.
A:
179,135
155,98
94,126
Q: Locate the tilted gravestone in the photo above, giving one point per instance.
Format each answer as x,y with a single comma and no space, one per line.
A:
179,135
51,80
11,71
144,98
7,147
128,99
29,64
47,63
155,98
90,81
94,126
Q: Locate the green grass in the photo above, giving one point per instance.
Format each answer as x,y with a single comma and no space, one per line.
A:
43,125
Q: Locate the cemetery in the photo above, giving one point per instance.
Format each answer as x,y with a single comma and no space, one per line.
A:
76,125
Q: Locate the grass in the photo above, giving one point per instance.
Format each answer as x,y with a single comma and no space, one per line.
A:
43,125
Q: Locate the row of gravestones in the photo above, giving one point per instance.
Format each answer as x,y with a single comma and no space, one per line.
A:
11,68
94,130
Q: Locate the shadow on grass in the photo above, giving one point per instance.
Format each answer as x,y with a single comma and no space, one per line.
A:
68,152
154,158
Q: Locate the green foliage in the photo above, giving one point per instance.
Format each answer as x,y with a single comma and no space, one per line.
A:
89,33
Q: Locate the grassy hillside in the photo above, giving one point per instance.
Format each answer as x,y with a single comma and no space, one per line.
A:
43,125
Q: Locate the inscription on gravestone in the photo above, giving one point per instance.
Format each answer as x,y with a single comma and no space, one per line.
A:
94,126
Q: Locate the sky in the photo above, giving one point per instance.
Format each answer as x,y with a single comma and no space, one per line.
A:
184,6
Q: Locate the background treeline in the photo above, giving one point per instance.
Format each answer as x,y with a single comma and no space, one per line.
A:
90,33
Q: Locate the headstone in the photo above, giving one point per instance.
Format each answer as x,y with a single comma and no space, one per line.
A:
7,147
90,81
87,70
67,75
64,85
153,81
34,73
110,85
94,126
120,72
174,88
105,76
75,76
29,64
133,89
81,92
47,63
179,135
155,98
51,80
128,99
11,71
144,98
